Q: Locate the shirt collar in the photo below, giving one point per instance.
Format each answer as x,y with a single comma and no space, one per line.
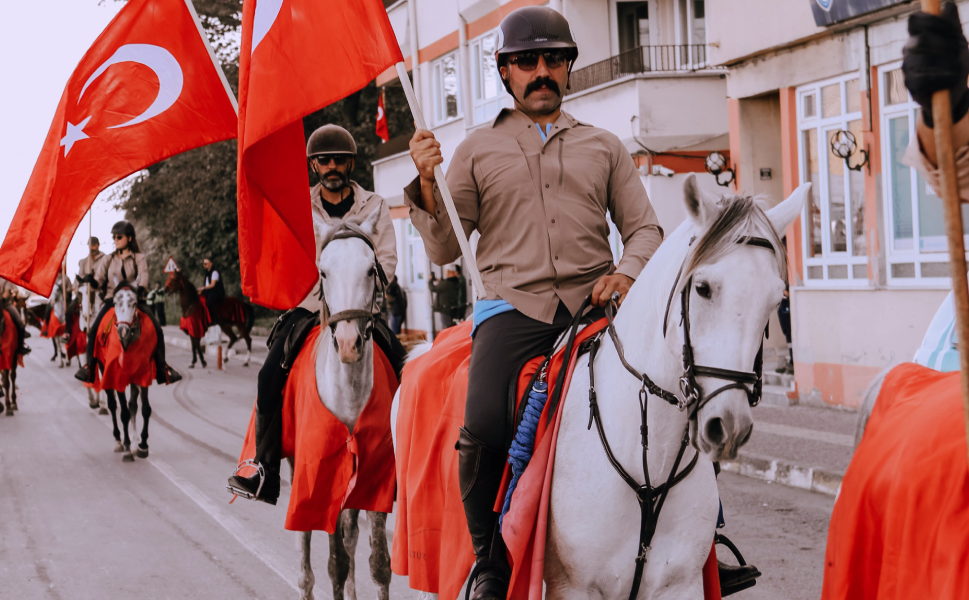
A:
509,117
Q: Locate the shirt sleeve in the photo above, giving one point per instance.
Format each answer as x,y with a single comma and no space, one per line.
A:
215,276
436,230
386,240
632,213
101,271
915,157
142,263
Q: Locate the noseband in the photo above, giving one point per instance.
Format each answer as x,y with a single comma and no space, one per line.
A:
349,231
651,499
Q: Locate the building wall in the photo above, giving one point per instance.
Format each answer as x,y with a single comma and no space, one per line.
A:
740,28
760,146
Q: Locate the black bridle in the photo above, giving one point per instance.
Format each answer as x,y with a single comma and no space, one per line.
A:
350,231
651,499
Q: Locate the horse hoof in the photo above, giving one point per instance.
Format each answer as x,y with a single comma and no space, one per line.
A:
93,405
103,411
15,407
245,364
118,447
191,366
128,457
9,411
141,452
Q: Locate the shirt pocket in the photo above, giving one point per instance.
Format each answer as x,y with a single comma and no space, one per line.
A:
584,167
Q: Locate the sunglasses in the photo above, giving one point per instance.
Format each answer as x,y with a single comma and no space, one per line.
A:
337,159
118,237
528,61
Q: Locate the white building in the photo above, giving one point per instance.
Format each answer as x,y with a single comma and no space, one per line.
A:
643,73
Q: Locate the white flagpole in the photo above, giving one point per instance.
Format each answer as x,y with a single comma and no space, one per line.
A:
215,60
470,265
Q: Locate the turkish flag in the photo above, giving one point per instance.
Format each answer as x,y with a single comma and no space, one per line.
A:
297,57
382,131
149,88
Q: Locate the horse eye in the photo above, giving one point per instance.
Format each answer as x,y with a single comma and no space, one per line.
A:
703,288
372,272
322,275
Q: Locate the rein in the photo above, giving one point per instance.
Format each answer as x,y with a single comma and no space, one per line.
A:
651,499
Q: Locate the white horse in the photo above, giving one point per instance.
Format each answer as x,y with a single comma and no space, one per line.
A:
128,328
90,306
58,308
734,288
344,379
593,536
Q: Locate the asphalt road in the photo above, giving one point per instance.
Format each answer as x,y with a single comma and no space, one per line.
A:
77,523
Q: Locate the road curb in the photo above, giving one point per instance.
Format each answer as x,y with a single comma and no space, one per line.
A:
774,470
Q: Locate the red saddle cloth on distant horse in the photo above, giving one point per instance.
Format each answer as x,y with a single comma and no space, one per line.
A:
900,526
9,343
54,327
432,545
77,340
198,322
120,368
334,469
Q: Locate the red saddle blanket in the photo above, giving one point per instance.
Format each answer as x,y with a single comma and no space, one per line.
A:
9,343
54,327
334,469
900,526
198,322
432,545
120,368
77,341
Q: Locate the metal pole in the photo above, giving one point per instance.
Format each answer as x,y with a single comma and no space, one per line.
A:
452,212
942,116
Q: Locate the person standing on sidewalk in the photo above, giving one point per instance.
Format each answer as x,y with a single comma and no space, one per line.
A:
156,301
396,300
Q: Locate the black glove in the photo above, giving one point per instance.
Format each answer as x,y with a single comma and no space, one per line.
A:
936,58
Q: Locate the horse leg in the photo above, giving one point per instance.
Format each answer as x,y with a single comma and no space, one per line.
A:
195,347
53,340
245,335
133,410
198,344
113,407
339,564
351,533
12,392
125,418
7,390
142,450
379,554
306,579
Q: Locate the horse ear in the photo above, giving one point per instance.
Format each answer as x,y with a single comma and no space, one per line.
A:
785,212
369,225
701,208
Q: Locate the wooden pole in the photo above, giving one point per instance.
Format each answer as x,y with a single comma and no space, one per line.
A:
942,117
470,265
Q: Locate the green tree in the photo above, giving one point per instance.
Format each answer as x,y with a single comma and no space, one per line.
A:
185,206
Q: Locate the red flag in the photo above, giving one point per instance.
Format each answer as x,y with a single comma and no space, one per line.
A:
149,88
382,131
297,57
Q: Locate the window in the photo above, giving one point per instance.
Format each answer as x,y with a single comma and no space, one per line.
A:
488,93
918,250
691,33
633,18
447,104
835,245
416,258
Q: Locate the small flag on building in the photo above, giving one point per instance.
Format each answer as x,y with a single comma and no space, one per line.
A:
382,131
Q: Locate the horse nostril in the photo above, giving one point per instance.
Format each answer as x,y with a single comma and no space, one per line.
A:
746,438
714,431
359,342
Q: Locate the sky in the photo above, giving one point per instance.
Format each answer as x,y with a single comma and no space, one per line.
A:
41,44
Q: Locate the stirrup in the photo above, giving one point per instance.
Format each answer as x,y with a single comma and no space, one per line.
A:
720,539
242,492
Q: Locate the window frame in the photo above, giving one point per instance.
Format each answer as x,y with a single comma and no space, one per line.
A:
915,255
477,82
437,84
821,126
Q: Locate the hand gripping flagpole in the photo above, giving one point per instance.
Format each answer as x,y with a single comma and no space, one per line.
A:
469,263
942,117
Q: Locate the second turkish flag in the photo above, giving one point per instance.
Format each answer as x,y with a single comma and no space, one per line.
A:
297,57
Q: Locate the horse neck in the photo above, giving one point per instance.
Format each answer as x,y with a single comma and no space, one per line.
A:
343,388
639,325
187,296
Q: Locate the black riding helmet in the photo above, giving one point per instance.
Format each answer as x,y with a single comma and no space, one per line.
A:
330,140
534,28
126,228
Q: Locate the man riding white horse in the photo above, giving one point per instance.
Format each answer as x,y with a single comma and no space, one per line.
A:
331,151
543,248
125,264
8,294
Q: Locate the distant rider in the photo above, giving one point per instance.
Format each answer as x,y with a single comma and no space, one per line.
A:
126,263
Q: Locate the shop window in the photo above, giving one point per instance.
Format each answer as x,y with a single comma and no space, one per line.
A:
447,85
835,245
917,248
488,93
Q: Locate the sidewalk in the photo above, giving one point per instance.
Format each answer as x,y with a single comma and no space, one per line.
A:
801,446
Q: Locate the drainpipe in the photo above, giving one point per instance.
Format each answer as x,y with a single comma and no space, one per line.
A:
414,49
464,56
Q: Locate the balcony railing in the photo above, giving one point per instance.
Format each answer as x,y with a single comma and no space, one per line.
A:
644,59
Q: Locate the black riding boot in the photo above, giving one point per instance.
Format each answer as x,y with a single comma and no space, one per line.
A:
479,471
270,460
732,578
21,329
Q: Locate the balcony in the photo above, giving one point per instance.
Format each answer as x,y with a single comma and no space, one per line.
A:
644,59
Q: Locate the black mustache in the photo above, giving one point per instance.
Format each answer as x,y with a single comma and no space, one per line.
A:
542,81
337,173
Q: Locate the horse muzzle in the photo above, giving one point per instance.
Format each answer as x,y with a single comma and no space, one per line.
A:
128,334
722,428
348,338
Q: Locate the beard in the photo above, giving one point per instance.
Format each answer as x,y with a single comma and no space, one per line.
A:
334,184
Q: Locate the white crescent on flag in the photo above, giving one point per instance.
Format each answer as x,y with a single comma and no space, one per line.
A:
262,21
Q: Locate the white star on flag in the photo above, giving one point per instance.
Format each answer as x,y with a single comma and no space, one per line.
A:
75,133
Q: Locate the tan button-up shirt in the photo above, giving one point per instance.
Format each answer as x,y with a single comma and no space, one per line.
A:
86,266
541,211
384,238
914,157
108,271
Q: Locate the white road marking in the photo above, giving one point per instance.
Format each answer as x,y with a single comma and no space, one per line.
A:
228,522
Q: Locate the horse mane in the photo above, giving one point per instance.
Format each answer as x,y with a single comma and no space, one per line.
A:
740,219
